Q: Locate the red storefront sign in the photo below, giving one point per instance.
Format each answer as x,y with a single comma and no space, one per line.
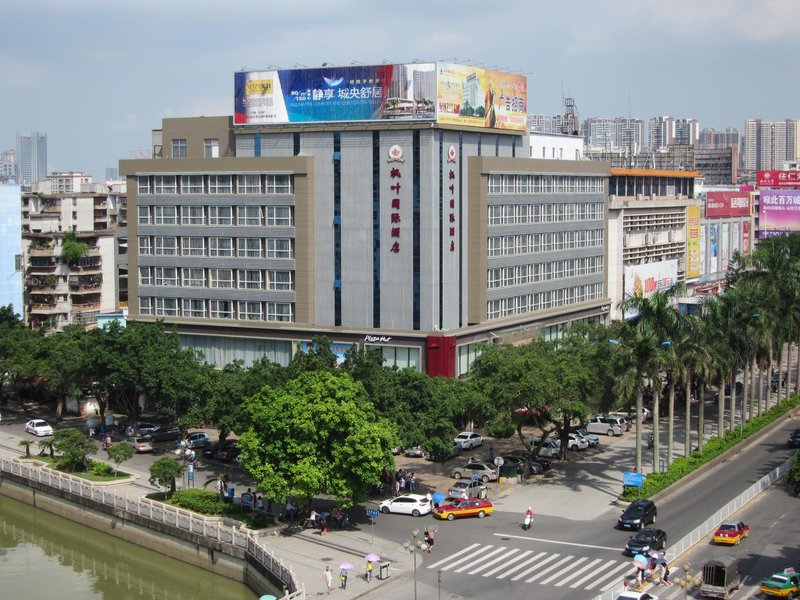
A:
778,179
727,204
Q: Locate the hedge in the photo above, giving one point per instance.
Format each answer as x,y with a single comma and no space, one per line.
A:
204,502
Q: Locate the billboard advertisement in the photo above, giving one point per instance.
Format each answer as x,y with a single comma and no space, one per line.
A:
778,212
693,257
745,237
477,97
724,245
727,204
778,179
713,249
643,280
703,253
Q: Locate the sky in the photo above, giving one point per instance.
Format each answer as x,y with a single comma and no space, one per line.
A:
98,75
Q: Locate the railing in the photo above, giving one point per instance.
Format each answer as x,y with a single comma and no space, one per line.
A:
164,514
712,522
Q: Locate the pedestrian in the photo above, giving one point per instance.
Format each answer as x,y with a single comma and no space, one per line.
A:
91,431
343,579
397,487
427,536
664,573
491,454
402,485
368,572
327,576
412,483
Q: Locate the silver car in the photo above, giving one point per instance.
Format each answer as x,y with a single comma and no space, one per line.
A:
483,471
467,489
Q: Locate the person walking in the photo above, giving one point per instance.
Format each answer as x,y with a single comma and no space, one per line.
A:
343,579
427,537
368,572
327,576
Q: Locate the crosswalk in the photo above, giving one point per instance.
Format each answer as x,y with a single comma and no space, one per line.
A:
529,566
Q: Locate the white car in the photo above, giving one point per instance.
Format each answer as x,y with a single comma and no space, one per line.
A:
38,427
408,504
468,440
576,442
591,438
636,596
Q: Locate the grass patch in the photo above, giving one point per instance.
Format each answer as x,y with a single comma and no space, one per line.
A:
98,472
207,503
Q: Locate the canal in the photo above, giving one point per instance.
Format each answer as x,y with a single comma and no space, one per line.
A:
44,556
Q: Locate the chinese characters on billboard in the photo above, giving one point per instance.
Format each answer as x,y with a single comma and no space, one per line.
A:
778,212
727,204
778,179
452,94
643,280
693,268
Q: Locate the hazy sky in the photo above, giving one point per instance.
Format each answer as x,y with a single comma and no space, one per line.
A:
98,75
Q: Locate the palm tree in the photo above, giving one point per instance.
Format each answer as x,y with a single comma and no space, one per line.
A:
27,445
714,316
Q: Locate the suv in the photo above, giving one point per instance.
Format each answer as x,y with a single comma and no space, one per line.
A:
606,425
639,514
485,471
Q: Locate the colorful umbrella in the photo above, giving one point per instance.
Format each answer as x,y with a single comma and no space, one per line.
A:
345,566
438,497
372,557
640,561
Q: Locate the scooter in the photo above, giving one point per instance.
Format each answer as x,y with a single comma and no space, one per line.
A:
526,523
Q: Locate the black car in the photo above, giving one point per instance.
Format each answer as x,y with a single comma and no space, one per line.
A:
227,452
639,514
164,433
543,462
794,438
645,540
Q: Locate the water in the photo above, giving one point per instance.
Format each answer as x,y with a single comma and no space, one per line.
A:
44,556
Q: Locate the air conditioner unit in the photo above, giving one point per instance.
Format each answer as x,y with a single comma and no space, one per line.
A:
671,236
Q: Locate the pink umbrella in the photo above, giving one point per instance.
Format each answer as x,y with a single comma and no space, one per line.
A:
640,561
372,557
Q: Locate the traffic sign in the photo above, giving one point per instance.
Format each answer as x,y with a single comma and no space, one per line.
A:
632,479
499,461
474,476
371,512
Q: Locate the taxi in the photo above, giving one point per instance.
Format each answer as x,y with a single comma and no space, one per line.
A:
731,532
782,585
471,507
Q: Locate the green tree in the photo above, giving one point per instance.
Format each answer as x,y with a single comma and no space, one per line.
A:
63,365
318,432
72,250
119,453
74,447
164,472
793,474
47,445
26,444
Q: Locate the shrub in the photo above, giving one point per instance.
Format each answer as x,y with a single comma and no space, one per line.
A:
205,502
102,469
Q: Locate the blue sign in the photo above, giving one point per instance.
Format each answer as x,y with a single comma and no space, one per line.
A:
474,476
632,479
371,512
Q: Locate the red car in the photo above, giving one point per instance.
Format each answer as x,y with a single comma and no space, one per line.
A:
731,532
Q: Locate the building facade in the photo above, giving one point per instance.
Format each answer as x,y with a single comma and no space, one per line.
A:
31,157
10,247
768,144
623,135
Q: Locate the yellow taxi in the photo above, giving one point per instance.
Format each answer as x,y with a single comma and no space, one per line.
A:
470,507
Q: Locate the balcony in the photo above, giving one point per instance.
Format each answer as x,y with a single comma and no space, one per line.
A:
85,289
47,309
41,251
76,308
42,268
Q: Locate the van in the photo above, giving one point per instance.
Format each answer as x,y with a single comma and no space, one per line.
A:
606,425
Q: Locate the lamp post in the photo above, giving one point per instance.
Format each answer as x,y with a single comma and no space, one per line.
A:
688,582
412,546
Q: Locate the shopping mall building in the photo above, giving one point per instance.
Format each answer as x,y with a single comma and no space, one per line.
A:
374,205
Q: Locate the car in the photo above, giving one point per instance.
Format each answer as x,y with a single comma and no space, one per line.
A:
139,444
636,596
576,442
467,489
414,452
543,462
592,439
407,504
485,471
785,584
469,440
436,457
144,428
198,439
639,514
227,451
164,433
609,426
549,448
794,438
472,507
646,539
731,532
38,427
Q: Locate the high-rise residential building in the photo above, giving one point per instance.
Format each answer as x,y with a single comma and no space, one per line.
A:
8,165
687,132
31,157
660,132
10,247
711,139
545,123
768,144
617,134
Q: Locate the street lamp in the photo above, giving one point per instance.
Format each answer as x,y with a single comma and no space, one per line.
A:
687,582
412,546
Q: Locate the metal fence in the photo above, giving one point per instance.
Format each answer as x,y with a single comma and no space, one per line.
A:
711,524
164,514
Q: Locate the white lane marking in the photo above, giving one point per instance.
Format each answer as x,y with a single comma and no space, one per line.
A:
579,571
539,565
479,560
530,539
565,572
606,580
550,568
594,574
465,558
452,556
494,562
511,562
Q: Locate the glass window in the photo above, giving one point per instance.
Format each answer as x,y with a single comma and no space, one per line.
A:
251,311
144,245
280,311
165,215
167,307
495,185
144,215
220,215
277,248
220,246
194,307
249,279
221,278
220,184
279,215
249,248
193,277
192,184
179,148
220,309
248,184
166,276
193,246
248,215
165,245
165,184
280,280
192,215
145,276
279,184
210,148
145,306
143,184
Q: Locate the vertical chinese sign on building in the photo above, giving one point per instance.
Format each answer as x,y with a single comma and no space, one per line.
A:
452,178
395,185
693,262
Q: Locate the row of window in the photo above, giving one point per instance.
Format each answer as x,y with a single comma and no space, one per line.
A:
217,309
243,216
215,184
520,305
210,148
546,184
533,243
247,279
166,245
546,271
525,214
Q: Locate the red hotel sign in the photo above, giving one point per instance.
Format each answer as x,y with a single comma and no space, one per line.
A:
727,204
778,179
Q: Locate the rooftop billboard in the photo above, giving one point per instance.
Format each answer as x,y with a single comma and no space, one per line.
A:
778,179
727,204
444,93
778,212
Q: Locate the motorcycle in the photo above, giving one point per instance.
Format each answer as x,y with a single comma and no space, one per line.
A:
526,523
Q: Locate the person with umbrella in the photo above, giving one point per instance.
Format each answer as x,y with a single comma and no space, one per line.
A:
343,569
371,559
657,560
640,562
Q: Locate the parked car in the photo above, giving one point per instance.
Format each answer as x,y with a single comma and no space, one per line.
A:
549,448
139,444
467,489
165,433
645,540
228,451
38,427
609,426
591,438
639,514
198,439
785,584
144,428
408,504
414,452
486,472
471,507
576,442
455,451
731,532
537,464
636,596
543,462
469,440
794,438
